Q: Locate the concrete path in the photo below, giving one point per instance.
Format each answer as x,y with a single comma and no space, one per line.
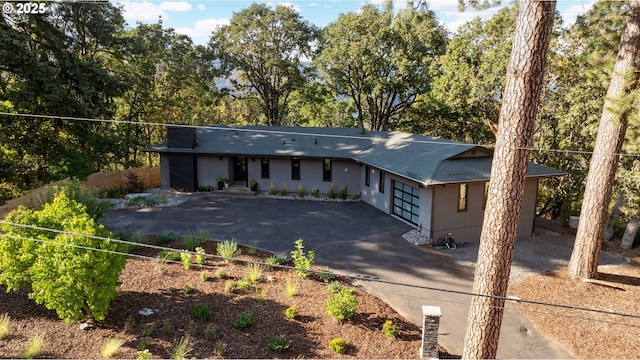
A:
351,238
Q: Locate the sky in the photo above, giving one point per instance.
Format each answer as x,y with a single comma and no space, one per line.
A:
198,19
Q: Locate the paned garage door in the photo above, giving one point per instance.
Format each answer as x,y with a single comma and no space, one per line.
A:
406,201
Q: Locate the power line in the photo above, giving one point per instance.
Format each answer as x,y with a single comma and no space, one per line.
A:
352,277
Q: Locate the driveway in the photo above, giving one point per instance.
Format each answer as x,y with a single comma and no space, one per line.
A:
351,238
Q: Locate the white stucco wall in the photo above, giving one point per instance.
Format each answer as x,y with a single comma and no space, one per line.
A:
371,194
210,168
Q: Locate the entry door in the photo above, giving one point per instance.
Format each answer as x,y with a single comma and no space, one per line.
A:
240,168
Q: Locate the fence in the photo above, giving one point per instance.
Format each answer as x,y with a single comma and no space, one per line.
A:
148,176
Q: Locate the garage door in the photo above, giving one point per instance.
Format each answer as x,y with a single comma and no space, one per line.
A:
406,200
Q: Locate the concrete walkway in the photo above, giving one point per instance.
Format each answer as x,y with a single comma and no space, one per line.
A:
351,238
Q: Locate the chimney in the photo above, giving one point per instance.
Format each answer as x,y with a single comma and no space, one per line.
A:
183,137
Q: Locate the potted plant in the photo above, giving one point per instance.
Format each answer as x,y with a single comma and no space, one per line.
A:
220,181
254,185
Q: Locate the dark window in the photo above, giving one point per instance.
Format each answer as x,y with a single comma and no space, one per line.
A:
406,201
295,169
381,182
326,170
367,176
463,191
264,169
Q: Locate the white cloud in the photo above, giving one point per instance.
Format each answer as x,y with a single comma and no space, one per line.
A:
570,15
175,6
202,29
142,11
201,7
290,5
314,4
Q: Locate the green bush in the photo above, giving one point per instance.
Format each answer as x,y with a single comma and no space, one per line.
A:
338,345
278,343
221,273
272,190
168,255
326,275
243,321
200,256
332,192
342,193
301,260
166,237
193,239
229,286
300,190
390,330
74,190
201,311
34,347
283,190
342,305
291,312
183,348
244,284
144,355
334,287
5,326
228,249
273,260
315,193
210,334
185,259
254,272
73,280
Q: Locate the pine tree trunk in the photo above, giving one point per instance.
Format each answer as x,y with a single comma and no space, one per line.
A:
510,160
613,217
611,132
630,232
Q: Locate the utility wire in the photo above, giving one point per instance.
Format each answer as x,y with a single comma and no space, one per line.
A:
352,277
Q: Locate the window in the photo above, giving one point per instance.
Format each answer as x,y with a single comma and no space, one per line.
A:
326,170
295,169
264,168
367,175
486,195
406,201
463,191
381,182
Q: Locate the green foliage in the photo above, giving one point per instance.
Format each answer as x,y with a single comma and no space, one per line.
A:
221,273
342,305
300,190
74,190
74,281
194,239
210,333
201,311
291,312
228,249
272,189
185,259
315,193
204,276
278,343
169,255
342,193
144,355
301,260
219,349
292,287
183,348
166,237
389,329
244,284
148,329
332,192
326,275
200,256
283,190
338,345
5,325
187,289
34,347
334,287
254,272
243,321
275,260
229,286
138,237
111,347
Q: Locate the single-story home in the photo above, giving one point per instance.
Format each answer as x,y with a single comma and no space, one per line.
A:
437,185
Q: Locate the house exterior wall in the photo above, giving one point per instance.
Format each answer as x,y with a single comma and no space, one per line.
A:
371,194
165,181
426,209
210,168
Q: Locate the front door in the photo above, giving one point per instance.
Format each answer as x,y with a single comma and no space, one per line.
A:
240,169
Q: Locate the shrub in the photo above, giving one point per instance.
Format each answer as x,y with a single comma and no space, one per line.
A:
342,305
243,321
229,286
134,184
326,275
254,272
148,329
342,193
113,192
292,287
187,289
389,329
55,271
200,253
332,192
283,190
272,190
111,347
301,260
278,343
315,193
338,345
183,348
244,284
193,239
275,260
5,326
168,256
185,259
334,287
219,348
144,355
291,312
204,276
74,190
201,311
166,237
300,190
261,293
210,334
221,273
34,347
228,249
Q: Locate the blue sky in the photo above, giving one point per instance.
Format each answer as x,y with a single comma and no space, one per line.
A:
199,18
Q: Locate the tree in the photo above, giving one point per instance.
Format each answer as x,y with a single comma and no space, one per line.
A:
620,104
524,83
261,51
75,275
381,61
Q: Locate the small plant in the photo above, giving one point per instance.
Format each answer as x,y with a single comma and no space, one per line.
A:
272,189
210,334
273,260
301,260
278,343
183,348
144,355
167,328
315,193
138,237
5,326
326,275
148,202
204,276
128,324
244,284
334,287
261,293
221,273
342,193
283,190
193,239
228,249
201,311
168,256
254,272
134,184
342,305
111,347
389,329
200,253
338,345
113,192
144,343
291,312
166,237
34,347
187,289
148,329
243,321
185,259
292,287
300,190
229,286
219,348
332,192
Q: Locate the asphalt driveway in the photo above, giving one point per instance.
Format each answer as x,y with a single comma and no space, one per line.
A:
351,238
